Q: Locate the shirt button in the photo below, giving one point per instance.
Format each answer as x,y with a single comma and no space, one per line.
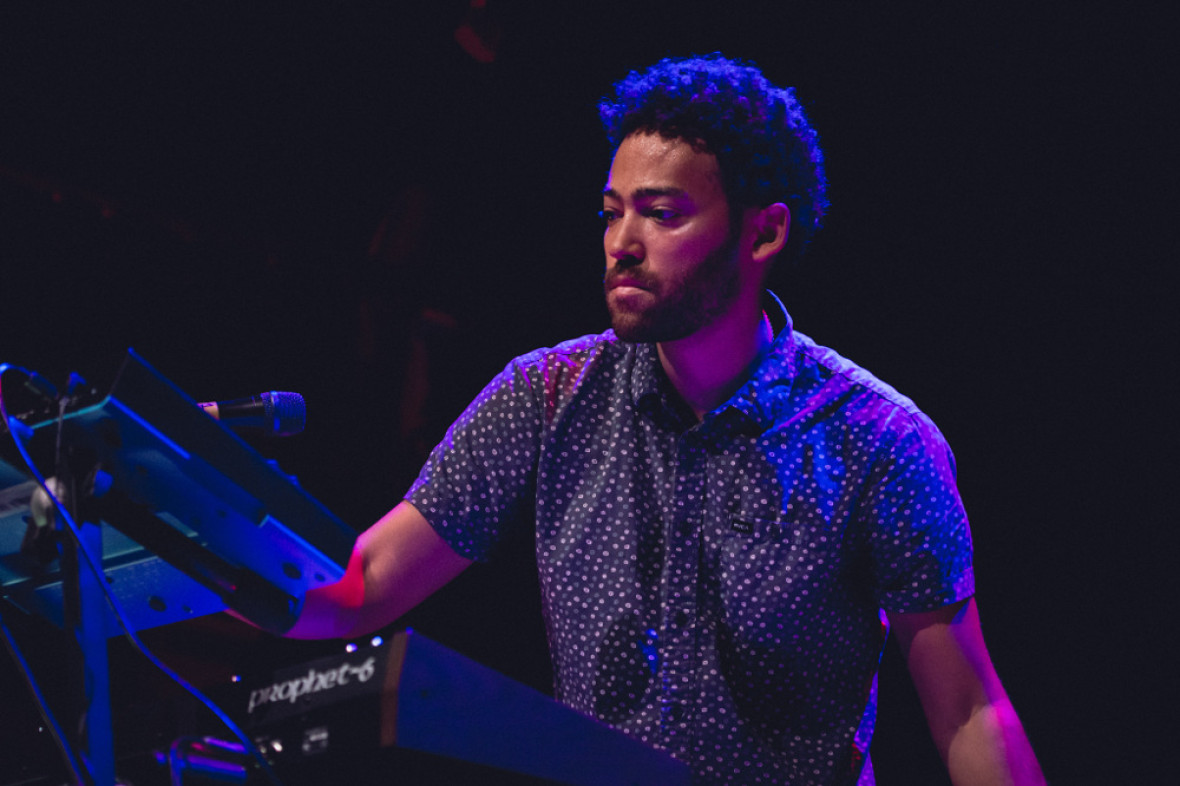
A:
681,619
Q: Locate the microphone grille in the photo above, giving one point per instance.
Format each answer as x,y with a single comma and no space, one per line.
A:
286,412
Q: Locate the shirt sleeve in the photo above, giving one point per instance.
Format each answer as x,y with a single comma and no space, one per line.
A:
483,473
920,538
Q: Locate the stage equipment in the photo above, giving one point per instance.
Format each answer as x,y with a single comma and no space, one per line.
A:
132,509
419,707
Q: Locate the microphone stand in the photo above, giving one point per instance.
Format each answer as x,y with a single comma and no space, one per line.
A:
84,616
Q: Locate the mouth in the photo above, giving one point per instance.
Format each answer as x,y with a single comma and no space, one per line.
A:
628,283
625,297
625,292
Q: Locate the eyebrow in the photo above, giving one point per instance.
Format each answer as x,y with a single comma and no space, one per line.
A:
647,193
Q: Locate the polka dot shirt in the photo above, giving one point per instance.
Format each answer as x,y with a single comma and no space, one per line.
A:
715,589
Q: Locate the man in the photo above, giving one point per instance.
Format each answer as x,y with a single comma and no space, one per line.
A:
726,513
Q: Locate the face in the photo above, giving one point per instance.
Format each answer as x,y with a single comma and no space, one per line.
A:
672,263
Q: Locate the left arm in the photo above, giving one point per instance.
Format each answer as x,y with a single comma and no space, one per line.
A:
969,714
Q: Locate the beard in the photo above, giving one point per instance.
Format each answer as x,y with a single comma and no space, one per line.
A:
682,304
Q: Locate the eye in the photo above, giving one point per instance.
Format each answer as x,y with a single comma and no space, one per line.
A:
608,215
663,215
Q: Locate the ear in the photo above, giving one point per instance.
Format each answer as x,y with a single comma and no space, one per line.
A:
771,226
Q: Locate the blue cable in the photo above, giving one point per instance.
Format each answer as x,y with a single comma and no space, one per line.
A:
47,716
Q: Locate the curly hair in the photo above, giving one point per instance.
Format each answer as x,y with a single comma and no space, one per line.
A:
766,150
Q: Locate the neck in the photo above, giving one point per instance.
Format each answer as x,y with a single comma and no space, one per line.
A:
709,366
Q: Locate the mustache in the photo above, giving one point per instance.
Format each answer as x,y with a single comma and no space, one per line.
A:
634,276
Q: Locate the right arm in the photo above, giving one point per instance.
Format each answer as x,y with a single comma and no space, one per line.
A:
396,564
401,560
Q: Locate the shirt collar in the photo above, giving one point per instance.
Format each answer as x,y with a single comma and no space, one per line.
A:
751,409
758,401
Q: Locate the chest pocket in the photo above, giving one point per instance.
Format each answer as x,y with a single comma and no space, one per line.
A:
756,563
752,547
754,528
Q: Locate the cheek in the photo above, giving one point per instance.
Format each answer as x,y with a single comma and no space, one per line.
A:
695,246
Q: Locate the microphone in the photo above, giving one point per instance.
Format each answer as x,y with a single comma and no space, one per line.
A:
274,414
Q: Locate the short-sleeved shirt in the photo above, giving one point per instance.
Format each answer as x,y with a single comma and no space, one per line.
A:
713,588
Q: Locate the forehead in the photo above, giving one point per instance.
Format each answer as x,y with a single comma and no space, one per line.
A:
652,163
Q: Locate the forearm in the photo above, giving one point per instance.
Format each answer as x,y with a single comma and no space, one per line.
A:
395,565
333,611
970,716
991,749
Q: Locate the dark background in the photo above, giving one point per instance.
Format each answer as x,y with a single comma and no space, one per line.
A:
307,199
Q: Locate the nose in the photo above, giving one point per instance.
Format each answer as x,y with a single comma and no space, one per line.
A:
621,241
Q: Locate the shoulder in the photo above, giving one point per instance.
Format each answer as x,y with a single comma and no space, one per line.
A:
819,365
827,381
572,358
574,351
548,376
